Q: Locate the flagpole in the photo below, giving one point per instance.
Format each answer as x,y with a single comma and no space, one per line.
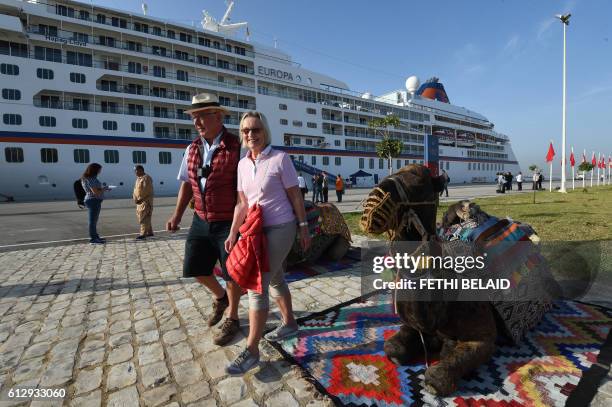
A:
598,165
550,178
572,163
583,172
609,166
592,169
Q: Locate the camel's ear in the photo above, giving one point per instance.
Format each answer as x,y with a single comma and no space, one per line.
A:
438,183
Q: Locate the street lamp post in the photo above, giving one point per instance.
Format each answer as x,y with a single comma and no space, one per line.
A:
565,20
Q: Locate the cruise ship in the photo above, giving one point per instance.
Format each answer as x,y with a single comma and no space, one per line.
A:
82,83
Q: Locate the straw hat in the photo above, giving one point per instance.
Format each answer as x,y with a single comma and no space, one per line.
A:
205,101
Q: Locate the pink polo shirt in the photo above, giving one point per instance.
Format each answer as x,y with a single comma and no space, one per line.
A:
274,172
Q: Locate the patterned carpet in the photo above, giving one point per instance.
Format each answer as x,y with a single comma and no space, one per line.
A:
341,350
304,270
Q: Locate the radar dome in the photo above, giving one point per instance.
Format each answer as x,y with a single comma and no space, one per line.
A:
366,95
412,84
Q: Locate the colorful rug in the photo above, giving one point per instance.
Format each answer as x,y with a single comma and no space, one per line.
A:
341,351
304,270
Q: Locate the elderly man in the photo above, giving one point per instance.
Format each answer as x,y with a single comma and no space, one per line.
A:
143,198
209,175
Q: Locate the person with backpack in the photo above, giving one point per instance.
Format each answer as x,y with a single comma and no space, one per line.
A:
94,195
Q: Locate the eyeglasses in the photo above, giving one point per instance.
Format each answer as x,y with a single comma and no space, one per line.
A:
255,130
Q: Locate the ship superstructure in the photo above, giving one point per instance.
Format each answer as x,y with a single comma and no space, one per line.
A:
82,83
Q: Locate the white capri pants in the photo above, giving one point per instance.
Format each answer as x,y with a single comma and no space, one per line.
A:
280,240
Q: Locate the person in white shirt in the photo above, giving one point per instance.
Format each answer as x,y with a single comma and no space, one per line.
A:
519,181
302,185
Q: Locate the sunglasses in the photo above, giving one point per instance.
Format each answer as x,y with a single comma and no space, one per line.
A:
255,130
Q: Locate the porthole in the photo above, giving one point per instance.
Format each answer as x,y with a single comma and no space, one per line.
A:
121,183
27,186
53,185
161,182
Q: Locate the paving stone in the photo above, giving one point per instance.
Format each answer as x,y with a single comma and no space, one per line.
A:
180,352
123,398
158,396
58,374
91,400
245,403
28,370
88,380
120,326
145,325
120,339
91,357
155,374
231,390
121,375
284,398
121,354
195,392
204,403
142,314
187,373
174,336
266,381
36,350
215,363
301,388
147,337
150,353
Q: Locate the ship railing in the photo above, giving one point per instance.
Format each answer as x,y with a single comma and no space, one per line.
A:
111,42
214,43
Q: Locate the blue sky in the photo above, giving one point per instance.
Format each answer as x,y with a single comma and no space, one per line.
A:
501,58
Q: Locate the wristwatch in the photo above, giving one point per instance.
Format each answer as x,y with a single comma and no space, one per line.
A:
303,224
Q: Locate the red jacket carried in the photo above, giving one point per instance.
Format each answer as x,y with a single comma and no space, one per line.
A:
249,256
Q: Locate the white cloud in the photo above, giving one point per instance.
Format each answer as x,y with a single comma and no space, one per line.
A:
512,44
468,59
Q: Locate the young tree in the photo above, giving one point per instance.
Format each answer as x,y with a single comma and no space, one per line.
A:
387,148
533,167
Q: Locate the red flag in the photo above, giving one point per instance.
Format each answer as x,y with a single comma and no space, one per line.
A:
603,162
593,160
551,153
572,159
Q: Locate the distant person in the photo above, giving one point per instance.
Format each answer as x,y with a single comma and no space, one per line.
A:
501,183
302,185
319,194
143,198
519,181
315,182
540,180
446,181
534,180
339,187
94,195
324,187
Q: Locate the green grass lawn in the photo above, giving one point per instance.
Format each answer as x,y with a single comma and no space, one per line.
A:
574,216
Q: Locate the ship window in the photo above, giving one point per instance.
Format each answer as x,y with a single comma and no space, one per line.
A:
48,54
43,73
311,125
337,143
311,111
12,119
301,158
297,123
228,48
447,165
182,75
161,132
185,37
11,94
284,122
77,58
134,67
101,19
109,125
157,31
111,156
81,155
308,141
325,160
216,44
371,163
135,110
13,48
338,161
64,11
469,166
80,37
313,160
184,134
399,164
297,140
381,163
159,71
138,127
48,155
47,121
139,157
13,154
84,15
170,34
241,68
79,123
282,106
9,69
77,77
361,162
165,157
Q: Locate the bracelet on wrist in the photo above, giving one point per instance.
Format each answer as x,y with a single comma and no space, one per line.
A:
303,224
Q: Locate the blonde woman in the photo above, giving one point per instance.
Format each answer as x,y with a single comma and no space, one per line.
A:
267,176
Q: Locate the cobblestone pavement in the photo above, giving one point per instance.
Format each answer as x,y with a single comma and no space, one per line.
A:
115,325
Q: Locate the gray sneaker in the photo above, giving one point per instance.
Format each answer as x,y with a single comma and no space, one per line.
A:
281,332
243,363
